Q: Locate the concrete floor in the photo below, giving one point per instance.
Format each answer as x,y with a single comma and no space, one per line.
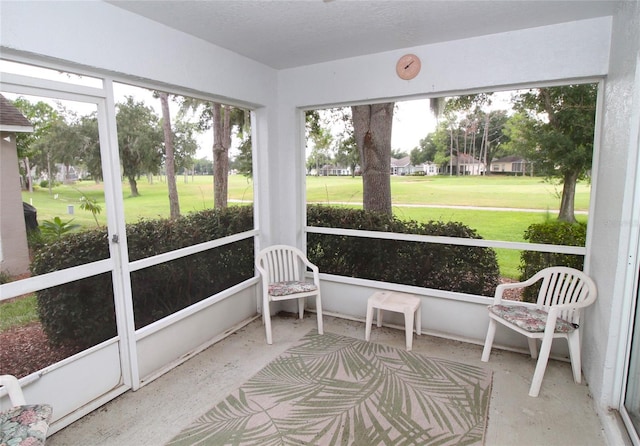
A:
562,415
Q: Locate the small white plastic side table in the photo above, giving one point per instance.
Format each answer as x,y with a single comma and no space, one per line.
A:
399,302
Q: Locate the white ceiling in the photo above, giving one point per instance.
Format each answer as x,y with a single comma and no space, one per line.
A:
285,34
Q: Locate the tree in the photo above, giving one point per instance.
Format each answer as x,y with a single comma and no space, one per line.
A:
64,143
222,119
139,141
320,153
372,132
203,166
425,151
555,130
347,153
185,145
331,130
243,162
40,115
473,130
494,138
221,145
169,160
91,149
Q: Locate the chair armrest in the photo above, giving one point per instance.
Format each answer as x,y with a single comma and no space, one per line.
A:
508,286
14,390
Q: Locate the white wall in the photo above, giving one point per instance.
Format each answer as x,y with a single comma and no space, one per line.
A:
566,51
98,35
571,50
611,224
14,252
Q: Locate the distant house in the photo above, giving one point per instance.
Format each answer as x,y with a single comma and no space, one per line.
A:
463,164
515,165
66,174
14,253
332,170
402,166
430,168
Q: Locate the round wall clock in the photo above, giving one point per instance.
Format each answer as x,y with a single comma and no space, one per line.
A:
408,66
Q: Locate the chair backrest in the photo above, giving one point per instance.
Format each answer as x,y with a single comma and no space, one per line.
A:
12,386
565,286
281,263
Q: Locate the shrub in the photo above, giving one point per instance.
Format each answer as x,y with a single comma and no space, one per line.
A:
45,184
552,232
5,277
83,311
56,228
472,270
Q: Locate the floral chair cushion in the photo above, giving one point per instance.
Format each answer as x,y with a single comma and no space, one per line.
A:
530,319
291,287
25,425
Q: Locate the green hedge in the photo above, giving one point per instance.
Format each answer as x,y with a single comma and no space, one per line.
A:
472,270
552,232
82,312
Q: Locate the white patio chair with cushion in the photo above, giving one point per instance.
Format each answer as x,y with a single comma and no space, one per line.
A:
564,292
22,423
282,270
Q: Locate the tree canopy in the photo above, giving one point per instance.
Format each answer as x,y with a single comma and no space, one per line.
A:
139,140
554,128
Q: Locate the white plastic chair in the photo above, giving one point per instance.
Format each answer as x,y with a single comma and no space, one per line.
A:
564,292
282,269
12,386
22,423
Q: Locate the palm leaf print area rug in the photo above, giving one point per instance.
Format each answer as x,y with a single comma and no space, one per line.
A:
335,390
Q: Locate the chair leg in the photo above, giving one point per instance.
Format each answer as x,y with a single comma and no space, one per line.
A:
369,321
266,314
319,314
574,353
419,321
488,342
533,347
541,365
379,318
408,328
301,307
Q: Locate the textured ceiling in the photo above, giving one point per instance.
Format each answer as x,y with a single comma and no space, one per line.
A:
285,34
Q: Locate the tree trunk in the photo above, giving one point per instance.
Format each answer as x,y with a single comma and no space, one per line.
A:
450,151
170,165
49,176
568,196
27,168
372,130
221,143
133,185
485,146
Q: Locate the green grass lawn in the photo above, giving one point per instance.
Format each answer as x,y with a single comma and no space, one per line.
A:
16,312
196,193
490,191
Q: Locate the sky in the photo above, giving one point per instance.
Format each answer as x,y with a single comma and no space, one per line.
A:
412,120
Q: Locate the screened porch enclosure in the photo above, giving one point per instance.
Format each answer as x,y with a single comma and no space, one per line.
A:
599,48
145,418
